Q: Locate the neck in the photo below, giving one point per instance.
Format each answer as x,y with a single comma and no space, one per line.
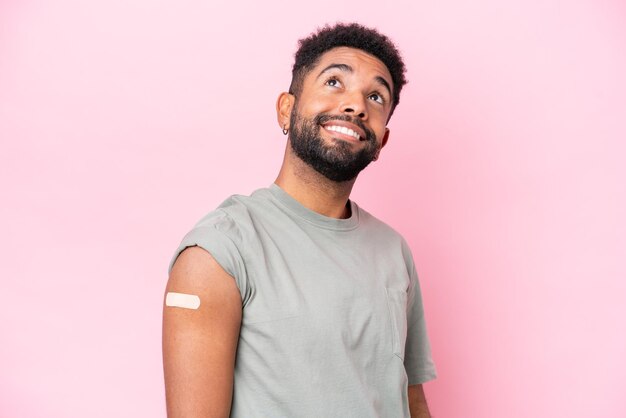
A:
312,189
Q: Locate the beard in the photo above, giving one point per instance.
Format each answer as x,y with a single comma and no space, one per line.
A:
335,161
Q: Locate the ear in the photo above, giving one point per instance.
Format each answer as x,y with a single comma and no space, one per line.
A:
385,138
383,143
284,104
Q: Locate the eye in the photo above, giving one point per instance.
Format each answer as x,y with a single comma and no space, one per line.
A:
377,98
333,82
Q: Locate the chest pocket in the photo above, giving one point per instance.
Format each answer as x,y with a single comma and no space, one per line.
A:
397,303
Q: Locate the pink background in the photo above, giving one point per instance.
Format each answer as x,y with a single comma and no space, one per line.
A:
123,122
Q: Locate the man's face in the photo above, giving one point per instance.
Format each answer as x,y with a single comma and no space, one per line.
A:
338,121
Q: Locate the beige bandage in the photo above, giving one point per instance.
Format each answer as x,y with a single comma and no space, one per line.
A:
182,300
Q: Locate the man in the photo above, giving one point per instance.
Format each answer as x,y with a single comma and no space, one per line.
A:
294,301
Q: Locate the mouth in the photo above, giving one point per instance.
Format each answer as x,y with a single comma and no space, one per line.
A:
345,130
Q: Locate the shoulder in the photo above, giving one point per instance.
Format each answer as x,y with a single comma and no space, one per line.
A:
234,212
374,224
223,232
386,234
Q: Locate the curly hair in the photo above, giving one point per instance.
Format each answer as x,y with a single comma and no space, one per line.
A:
351,35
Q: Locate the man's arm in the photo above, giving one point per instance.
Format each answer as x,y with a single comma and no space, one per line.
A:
417,402
199,345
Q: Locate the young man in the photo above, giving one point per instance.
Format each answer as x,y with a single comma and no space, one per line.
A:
294,301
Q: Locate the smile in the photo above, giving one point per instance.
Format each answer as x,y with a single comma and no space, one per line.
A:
343,130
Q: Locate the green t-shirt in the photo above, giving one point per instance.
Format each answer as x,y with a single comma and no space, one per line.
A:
333,322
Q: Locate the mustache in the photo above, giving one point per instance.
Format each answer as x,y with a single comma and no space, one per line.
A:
323,118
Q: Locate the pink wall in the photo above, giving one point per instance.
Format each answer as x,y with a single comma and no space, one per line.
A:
123,122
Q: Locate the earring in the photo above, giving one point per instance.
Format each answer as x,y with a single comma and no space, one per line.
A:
285,130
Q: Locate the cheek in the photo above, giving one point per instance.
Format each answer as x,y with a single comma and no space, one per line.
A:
379,127
319,103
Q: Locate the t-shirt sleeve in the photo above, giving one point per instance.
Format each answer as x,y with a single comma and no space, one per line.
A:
214,234
418,360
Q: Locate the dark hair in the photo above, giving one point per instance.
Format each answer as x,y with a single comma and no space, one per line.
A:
351,35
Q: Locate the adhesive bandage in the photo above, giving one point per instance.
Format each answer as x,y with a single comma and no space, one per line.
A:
182,300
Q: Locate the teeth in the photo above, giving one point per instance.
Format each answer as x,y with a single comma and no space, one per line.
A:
343,130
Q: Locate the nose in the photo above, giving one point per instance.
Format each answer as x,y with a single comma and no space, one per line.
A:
354,105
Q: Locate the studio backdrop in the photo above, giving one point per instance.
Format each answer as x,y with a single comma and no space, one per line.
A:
123,122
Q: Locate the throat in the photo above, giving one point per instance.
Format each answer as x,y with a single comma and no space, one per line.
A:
313,190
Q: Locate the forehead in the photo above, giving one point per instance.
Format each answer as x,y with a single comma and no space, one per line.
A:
361,62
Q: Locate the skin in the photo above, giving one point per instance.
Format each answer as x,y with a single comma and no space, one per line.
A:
417,402
352,95
199,346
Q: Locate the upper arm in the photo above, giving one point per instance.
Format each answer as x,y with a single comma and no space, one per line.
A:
417,402
199,345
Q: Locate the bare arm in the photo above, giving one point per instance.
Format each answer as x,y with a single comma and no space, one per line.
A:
199,345
417,402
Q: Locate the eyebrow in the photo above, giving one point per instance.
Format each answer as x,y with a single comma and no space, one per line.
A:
346,68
